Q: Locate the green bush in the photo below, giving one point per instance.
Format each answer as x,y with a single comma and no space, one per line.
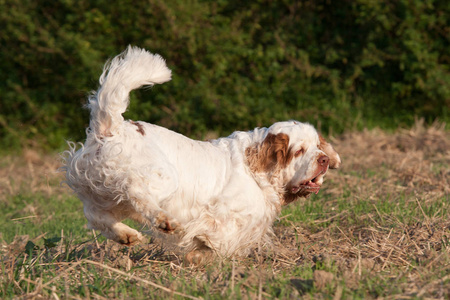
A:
236,64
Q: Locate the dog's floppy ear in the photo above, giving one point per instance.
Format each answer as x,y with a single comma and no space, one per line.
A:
335,160
273,152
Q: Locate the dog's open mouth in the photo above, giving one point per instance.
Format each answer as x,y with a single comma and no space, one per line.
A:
308,186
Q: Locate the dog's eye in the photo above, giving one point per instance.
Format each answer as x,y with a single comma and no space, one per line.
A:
299,152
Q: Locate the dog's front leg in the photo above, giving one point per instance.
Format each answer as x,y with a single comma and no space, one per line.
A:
230,224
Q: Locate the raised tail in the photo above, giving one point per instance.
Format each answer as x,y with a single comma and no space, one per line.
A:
129,70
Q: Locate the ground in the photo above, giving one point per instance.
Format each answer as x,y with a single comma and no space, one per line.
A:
379,228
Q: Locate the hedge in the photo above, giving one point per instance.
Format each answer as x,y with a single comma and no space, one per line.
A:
236,64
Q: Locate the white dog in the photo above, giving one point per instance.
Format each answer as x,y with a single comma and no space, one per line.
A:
219,196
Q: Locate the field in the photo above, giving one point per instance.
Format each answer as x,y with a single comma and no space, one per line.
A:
379,228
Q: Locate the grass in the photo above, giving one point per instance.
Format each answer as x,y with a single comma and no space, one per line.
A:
379,228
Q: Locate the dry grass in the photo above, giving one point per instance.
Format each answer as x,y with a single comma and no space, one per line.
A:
32,172
379,228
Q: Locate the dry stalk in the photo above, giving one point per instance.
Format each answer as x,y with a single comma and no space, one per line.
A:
145,281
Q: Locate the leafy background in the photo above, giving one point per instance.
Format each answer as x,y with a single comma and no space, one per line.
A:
236,64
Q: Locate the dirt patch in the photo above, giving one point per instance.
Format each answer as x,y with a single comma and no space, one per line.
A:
322,278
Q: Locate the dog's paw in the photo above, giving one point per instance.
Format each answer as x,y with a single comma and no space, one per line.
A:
167,224
129,238
199,257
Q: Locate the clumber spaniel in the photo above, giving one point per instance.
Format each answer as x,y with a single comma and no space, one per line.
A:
219,196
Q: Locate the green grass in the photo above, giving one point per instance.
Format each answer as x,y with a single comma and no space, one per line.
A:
41,265
37,214
404,208
375,229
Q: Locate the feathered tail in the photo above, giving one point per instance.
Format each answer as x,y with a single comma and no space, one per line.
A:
129,70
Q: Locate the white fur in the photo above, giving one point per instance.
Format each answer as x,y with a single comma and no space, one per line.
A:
205,191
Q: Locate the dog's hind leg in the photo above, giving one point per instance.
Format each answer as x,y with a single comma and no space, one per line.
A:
147,192
110,226
159,218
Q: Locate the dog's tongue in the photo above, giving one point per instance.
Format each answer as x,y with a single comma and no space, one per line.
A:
310,184
314,185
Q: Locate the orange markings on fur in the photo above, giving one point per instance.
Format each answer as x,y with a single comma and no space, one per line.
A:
271,154
140,128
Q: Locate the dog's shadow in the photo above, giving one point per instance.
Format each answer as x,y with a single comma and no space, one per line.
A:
302,286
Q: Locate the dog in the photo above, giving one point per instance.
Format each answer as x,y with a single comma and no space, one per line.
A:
220,196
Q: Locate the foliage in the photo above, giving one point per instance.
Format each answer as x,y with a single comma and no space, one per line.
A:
236,64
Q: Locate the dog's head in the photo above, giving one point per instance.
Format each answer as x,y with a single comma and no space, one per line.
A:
293,153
